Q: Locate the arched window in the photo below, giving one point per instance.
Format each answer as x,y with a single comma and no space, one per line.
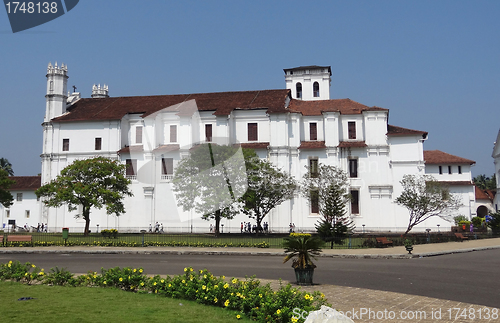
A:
299,90
316,89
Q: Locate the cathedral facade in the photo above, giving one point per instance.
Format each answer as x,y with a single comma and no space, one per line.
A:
295,128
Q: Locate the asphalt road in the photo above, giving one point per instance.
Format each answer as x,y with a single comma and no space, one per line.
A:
466,277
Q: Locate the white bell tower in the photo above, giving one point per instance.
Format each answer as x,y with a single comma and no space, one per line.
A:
309,83
57,82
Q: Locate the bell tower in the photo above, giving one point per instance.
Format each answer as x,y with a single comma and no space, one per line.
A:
56,97
309,83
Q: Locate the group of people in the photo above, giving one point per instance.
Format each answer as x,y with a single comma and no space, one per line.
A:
247,227
158,228
39,228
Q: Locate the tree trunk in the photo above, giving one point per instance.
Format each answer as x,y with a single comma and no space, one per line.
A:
217,222
86,216
259,220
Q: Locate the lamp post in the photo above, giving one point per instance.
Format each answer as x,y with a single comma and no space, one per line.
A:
438,228
222,228
428,235
97,228
363,229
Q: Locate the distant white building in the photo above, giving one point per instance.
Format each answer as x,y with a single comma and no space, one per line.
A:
296,128
26,207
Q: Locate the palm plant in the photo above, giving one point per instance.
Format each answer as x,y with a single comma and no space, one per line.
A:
302,248
7,166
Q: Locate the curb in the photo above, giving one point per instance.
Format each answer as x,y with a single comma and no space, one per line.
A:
28,250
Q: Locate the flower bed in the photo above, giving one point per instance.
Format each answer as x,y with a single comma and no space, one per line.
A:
248,297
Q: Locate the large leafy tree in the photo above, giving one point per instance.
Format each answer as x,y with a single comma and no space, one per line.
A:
268,187
95,182
424,197
6,166
6,197
210,181
484,182
327,186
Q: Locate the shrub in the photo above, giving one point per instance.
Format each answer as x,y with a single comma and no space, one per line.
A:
459,218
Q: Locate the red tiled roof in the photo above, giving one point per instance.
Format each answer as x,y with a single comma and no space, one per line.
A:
255,145
399,131
222,103
166,148
343,106
457,183
25,183
352,144
484,194
131,149
312,145
439,157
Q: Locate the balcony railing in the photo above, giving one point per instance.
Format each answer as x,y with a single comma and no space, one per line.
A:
165,177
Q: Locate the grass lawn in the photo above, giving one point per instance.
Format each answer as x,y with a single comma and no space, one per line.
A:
84,304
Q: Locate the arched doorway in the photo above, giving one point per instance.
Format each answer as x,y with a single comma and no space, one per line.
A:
482,211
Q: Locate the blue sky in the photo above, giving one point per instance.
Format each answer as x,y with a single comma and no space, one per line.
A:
434,64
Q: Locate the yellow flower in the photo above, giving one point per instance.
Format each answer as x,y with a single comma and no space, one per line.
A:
162,280
185,269
104,282
183,281
238,316
223,277
278,312
154,284
33,266
216,286
204,276
215,300
226,285
234,281
142,284
135,270
294,319
26,274
306,296
121,279
169,285
260,295
140,270
226,303
203,287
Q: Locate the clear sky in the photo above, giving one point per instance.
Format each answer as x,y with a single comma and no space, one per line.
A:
434,64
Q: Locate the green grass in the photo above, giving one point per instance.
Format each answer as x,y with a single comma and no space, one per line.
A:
84,304
274,241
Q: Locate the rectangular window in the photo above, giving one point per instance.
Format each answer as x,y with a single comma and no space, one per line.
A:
208,132
313,167
313,131
351,129
27,213
7,213
354,202
98,143
131,167
449,170
314,202
353,168
19,197
138,135
173,133
460,169
440,170
252,132
65,144
167,166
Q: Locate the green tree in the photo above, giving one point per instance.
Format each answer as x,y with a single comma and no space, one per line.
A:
6,197
7,166
494,221
424,197
210,181
484,182
95,182
328,187
268,187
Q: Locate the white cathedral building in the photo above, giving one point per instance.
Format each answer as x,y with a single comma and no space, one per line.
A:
295,128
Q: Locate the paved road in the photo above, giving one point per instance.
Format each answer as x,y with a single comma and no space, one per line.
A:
466,277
